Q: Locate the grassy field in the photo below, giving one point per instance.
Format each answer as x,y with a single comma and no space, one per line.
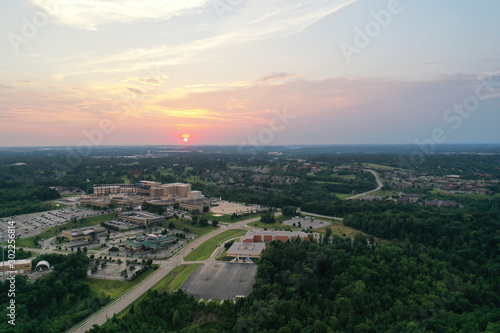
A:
224,257
345,177
383,193
338,228
378,166
115,288
204,250
343,195
275,226
70,195
126,179
54,231
179,225
173,281
227,217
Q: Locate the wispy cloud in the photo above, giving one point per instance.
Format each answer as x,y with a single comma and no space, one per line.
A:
90,14
277,76
135,91
258,21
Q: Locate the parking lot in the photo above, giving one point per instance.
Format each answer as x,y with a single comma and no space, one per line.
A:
112,271
307,223
28,225
221,280
227,207
123,225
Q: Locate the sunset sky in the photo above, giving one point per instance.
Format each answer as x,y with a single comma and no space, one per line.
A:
146,72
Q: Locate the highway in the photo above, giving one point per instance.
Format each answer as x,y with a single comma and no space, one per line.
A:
166,266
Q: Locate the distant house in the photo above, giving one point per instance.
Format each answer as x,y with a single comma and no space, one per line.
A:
402,185
441,203
371,198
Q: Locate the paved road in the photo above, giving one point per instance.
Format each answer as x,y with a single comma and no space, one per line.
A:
323,216
166,266
379,186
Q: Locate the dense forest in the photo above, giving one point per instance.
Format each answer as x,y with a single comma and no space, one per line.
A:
19,197
337,285
54,302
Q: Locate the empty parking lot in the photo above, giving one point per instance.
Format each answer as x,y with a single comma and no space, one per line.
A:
307,223
221,280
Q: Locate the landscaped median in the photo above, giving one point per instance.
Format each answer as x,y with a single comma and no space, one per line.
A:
204,250
173,281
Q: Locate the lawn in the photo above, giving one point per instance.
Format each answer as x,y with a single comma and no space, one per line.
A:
70,195
115,288
378,166
173,281
227,217
126,179
383,193
54,231
224,257
345,177
325,182
275,226
180,225
204,250
338,228
343,195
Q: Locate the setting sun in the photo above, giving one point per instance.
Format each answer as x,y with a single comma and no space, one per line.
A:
185,137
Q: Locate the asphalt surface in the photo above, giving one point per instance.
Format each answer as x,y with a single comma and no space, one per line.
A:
221,280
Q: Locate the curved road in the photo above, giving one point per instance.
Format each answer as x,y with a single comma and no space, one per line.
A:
379,186
166,267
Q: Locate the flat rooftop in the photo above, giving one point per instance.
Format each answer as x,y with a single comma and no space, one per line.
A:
246,248
17,262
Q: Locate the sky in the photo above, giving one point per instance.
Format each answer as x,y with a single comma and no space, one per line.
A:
249,72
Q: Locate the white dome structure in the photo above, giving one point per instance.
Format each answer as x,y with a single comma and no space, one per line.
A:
43,264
